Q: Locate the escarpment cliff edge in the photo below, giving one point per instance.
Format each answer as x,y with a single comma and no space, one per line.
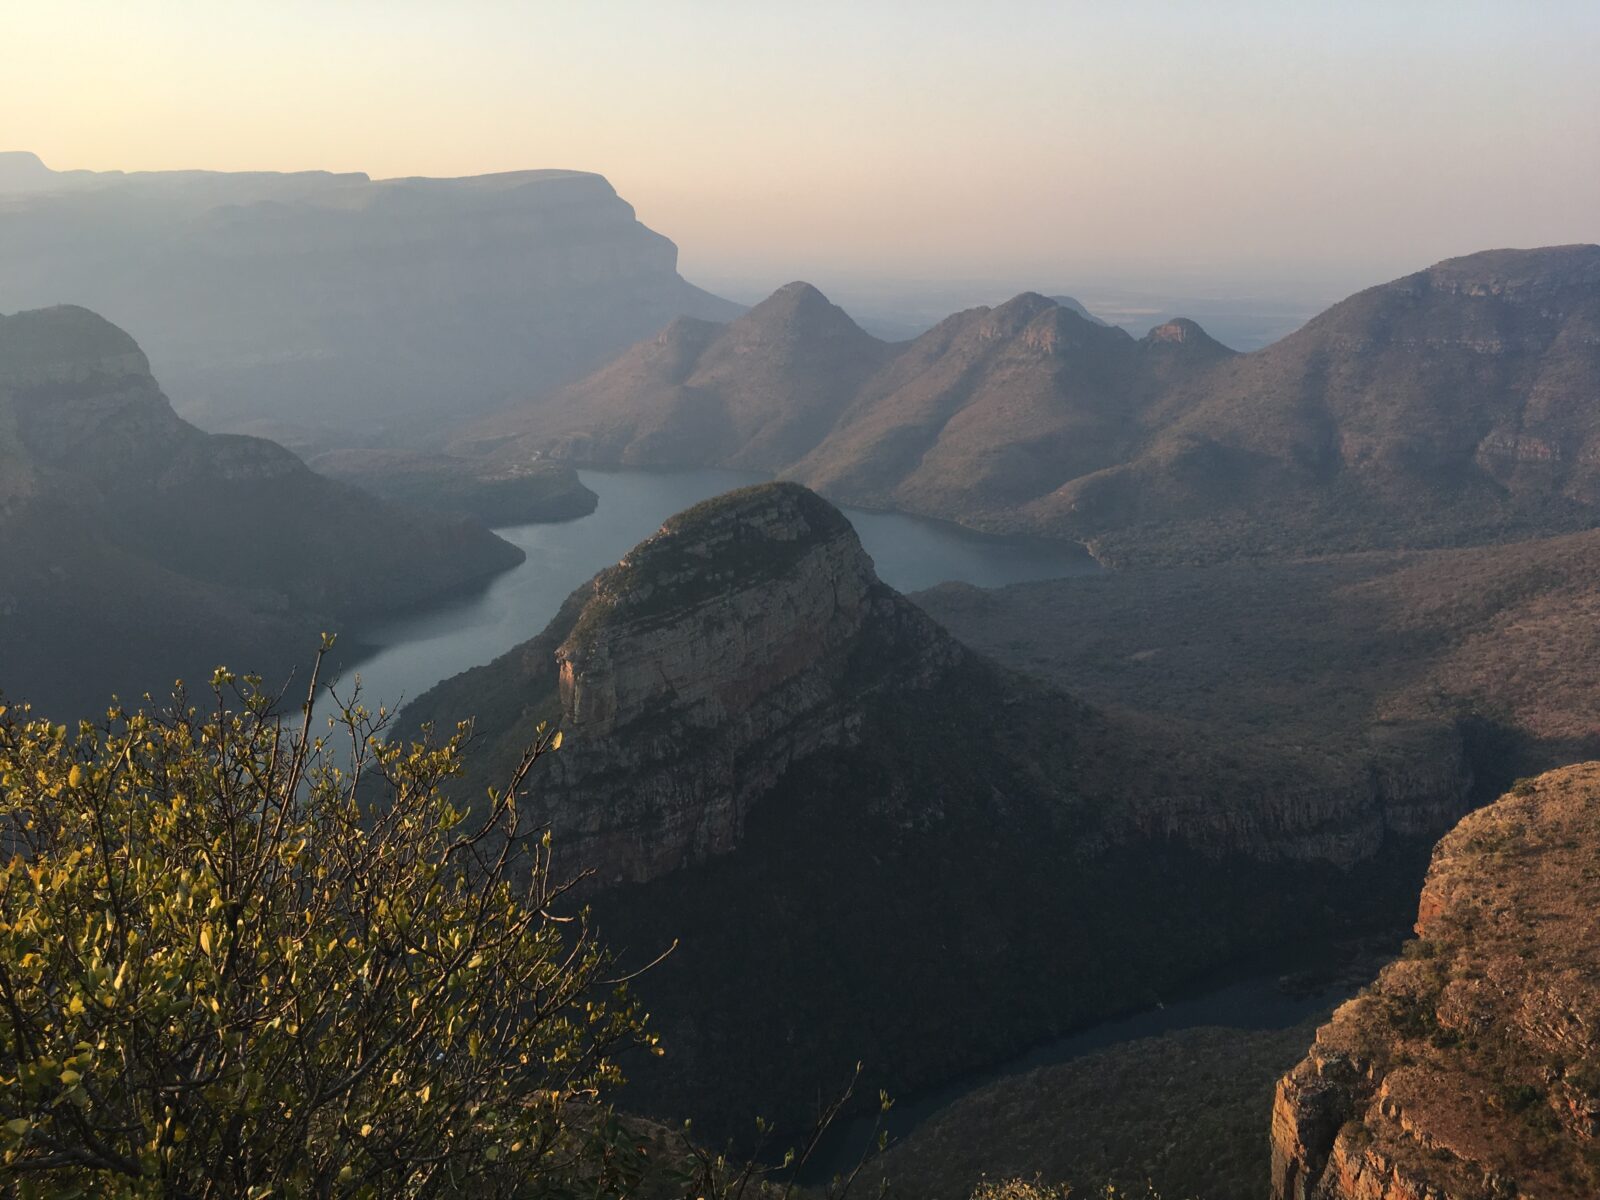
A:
1470,1070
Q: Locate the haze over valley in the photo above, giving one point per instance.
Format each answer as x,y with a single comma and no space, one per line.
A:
1009,599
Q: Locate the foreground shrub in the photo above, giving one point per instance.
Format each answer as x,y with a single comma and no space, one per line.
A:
236,963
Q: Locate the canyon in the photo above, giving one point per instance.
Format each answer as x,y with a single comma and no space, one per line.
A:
783,767
1353,601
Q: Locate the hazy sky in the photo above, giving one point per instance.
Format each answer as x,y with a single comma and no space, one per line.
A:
930,139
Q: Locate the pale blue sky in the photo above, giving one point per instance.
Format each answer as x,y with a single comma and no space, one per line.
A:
929,138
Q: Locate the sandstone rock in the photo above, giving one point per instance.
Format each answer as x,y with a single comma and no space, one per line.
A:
833,807
1470,1070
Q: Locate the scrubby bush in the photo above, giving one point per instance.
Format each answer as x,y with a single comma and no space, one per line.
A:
236,963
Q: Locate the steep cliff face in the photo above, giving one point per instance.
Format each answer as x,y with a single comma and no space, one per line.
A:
777,762
1470,1070
749,634
138,548
343,306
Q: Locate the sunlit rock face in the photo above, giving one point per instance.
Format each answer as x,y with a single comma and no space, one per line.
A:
1470,1070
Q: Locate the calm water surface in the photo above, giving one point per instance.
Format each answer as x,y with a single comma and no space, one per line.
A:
417,652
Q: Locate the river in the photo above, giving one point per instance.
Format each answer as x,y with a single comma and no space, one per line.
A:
412,654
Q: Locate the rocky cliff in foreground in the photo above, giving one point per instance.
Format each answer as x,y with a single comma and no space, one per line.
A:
1471,1069
872,844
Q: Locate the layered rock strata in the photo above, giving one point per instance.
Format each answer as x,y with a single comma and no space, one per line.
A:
869,842
1470,1070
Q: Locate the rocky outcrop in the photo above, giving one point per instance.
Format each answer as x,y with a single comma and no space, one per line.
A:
833,807
749,634
1470,1070
138,548
337,309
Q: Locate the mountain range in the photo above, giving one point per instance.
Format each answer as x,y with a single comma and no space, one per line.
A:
333,309
139,549
1444,408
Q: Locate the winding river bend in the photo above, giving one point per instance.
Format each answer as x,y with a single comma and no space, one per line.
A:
416,652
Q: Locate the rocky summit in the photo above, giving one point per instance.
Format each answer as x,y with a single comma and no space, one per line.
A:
777,762
1471,1069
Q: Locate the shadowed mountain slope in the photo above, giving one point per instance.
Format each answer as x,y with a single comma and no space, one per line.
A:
775,759
137,547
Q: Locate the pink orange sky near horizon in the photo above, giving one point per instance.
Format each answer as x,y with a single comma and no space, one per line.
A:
918,140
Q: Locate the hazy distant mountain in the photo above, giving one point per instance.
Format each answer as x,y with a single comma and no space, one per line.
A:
137,548
989,409
993,407
1073,305
339,306
1455,405
757,393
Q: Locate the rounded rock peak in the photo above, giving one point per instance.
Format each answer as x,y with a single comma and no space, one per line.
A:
778,511
750,538
798,310
67,335
798,291
1182,332
1024,306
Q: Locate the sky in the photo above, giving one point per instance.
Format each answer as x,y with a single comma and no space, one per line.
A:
1346,142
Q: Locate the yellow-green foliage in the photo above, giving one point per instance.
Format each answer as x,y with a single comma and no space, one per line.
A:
235,963
1022,1189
